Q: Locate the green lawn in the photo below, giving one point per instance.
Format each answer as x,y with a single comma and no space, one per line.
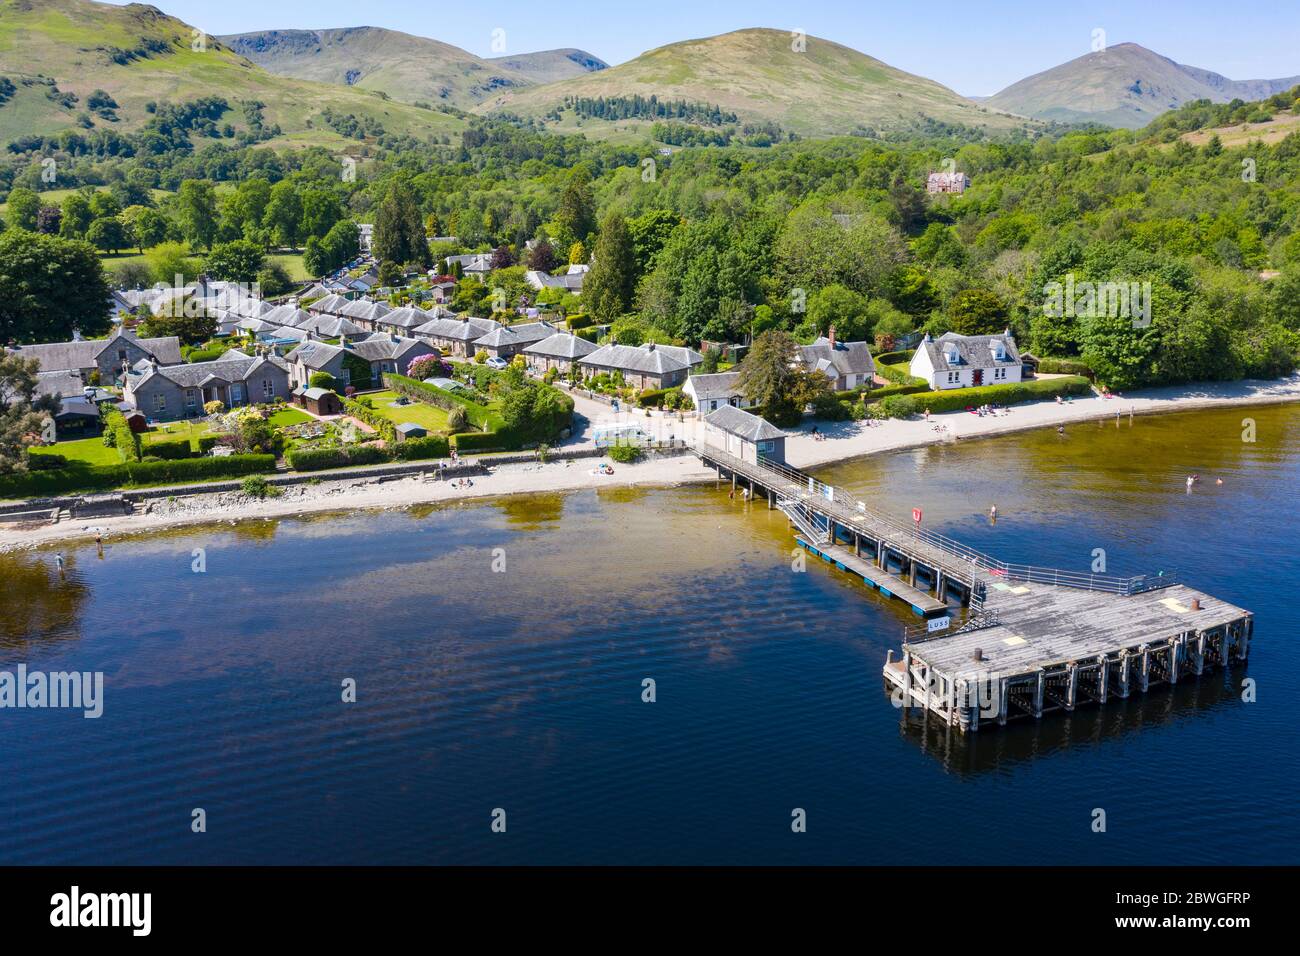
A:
430,416
289,416
93,451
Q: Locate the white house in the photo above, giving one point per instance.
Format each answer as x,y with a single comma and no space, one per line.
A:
963,361
711,392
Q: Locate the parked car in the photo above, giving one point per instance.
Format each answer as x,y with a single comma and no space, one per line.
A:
497,362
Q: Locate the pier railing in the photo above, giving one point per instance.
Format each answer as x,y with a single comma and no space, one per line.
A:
900,532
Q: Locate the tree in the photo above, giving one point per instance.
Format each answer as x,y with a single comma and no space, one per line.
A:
650,232
107,234
23,413
843,308
542,257
196,209
284,214
770,376
502,257
150,229
49,288
170,260
237,261
273,279
399,228
77,216
609,285
577,254
320,211
977,312
190,324
48,220
24,205
576,216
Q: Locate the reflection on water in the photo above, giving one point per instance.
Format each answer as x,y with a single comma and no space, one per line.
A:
37,602
517,682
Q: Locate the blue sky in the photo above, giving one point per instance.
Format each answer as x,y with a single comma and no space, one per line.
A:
975,48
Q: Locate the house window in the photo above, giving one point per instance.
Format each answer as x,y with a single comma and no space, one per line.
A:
954,377
160,403
268,388
236,394
345,376
191,398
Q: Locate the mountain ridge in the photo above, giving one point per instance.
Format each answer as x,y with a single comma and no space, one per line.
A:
404,66
1126,85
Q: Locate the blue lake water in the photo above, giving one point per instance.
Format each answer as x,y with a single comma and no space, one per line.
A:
521,689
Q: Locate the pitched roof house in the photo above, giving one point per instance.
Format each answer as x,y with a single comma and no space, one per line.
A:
108,356
507,341
456,334
846,364
947,183
165,393
963,361
560,350
642,366
711,392
383,353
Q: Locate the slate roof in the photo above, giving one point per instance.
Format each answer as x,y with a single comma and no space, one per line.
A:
460,330
314,355
67,356
973,351
736,421
562,345
381,346
846,358
331,303
523,334
714,386
365,310
406,317
648,359
225,369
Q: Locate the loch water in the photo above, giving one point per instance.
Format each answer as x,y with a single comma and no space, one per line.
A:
499,651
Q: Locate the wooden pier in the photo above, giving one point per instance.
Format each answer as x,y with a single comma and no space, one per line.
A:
999,642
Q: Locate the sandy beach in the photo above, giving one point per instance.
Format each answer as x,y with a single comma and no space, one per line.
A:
841,441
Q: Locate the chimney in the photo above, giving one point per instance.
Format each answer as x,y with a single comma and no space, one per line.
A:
649,346
830,335
978,655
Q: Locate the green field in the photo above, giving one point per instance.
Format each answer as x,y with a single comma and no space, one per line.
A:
430,416
292,262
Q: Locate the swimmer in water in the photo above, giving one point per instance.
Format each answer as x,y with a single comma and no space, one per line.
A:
1218,481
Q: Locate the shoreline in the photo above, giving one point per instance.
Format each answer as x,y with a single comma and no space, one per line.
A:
843,442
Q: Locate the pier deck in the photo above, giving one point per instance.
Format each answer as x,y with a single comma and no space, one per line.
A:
1030,640
891,585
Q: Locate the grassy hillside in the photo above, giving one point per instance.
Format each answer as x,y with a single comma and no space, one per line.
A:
756,74
1126,86
407,68
138,54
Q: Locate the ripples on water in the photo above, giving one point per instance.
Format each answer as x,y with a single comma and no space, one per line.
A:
522,689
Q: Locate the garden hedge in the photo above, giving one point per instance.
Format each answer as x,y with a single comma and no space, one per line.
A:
90,478
422,449
958,398
899,373
171,449
318,459
480,416
385,426
1064,366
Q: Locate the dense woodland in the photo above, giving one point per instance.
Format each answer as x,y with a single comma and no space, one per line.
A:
721,243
